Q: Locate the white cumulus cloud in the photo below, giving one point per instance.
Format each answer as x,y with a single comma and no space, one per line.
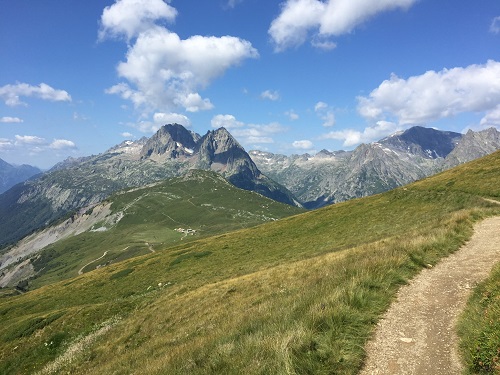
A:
193,102
326,113
146,126
320,106
292,115
160,119
171,118
232,3
492,118
434,95
130,17
292,26
29,140
166,71
299,18
12,120
323,43
34,145
270,95
352,137
6,144
127,135
226,121
62,144
163,72
248,134
11,94
342,16
259,133
303,145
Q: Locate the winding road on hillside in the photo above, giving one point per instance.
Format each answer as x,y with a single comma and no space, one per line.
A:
417,334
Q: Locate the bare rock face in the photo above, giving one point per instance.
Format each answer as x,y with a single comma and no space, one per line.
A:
170,142
425,142
473,145
219,151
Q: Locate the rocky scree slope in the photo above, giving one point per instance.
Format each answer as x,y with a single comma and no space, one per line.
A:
171,152
404,157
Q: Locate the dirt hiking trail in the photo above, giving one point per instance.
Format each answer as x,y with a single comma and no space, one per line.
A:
80,272
417,334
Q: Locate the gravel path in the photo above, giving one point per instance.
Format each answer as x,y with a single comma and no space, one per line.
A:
417,334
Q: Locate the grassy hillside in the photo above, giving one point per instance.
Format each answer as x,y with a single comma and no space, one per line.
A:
300,295
144,220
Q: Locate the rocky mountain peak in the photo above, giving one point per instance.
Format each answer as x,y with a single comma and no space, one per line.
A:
325,153
170,141
474,145
426,142
219,151
219,141
129,147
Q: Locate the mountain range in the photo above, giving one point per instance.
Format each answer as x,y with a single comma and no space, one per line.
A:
11,175
404,157
300,180
172,151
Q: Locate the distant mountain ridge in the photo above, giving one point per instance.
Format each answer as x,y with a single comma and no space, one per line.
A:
11,175
313,181
171,152
425,142
404,157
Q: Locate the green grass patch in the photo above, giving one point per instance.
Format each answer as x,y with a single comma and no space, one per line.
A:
479,327
122,273
186,256
29,326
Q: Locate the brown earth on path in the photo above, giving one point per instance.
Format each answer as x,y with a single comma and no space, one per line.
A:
417,334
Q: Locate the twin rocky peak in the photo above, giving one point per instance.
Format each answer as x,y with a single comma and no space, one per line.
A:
217,151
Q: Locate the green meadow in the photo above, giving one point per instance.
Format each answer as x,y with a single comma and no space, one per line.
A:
176,211
300,295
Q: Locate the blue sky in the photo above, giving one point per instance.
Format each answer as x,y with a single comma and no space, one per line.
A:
292,76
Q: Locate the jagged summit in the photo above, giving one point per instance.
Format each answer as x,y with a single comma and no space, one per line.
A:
170,141
217,150
217,142
425,142
474,145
